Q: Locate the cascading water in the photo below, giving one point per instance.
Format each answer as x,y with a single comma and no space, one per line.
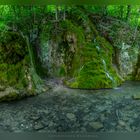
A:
105,69
108,74
98,48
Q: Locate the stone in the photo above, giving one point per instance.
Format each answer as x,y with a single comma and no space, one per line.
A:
35,117
102,117
121,123
2,88
96,125
128,128
127,60
136,96
71,116
51,124
9,94
46,111
22,125
83,129
135,115
27,127
38,126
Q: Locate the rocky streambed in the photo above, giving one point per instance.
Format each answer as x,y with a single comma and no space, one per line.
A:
74,110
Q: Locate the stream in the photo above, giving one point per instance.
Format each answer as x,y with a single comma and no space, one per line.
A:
74,110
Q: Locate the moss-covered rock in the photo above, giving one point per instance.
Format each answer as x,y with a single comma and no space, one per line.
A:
59,43
13,60
94,63
17,68
13,75
13,48
125,46
2,88
10,94
79,54
95,69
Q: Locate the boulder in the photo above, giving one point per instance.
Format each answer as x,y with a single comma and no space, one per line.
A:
96,125
136,96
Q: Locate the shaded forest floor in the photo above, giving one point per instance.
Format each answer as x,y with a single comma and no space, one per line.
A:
68,110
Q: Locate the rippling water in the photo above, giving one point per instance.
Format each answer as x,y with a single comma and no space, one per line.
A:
75,110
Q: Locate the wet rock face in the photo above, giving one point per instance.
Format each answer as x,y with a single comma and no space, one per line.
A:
125,46
57,51
50,58
127,59
56,57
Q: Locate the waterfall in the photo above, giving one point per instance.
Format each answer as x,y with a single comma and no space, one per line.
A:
108,74
33,74
98,48
104,63
105,69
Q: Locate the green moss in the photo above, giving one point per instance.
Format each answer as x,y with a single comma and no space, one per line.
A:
11,48
68,26
13,75
92,74
17,68
13,51
15,62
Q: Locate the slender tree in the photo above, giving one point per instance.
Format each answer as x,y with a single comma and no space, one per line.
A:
56,13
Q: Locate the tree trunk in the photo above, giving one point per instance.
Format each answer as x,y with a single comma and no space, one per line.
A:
56,13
